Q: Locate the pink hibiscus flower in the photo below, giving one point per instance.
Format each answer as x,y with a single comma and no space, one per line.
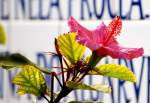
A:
103,41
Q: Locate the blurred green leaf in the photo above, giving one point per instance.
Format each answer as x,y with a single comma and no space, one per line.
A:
14,60
30,81
2,35
17,60
96,87
70,48
114,70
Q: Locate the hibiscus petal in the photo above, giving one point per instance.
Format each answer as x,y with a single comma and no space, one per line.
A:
125,53
100,33
84,36
86,41
75,27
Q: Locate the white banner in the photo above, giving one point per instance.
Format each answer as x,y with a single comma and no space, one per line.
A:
33,38
80,9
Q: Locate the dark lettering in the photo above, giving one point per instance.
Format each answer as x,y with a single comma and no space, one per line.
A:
110,9
23,8
86,3
136,4
101,12
69,8
41,15
55,4
121,84
94,98
137,87
121,10
31,11
4,10
121,87
112,92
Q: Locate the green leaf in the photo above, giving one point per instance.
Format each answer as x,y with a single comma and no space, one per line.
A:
17,60
2,35
14,60
114,70
30,81
70,48
96,87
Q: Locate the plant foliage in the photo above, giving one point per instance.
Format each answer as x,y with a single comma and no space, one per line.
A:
96,87
30,81
114,70
70,48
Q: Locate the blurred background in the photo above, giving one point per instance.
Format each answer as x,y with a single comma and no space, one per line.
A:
32,25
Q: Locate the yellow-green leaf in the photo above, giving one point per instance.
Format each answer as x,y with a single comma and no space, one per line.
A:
30,81
96,87
114,70
2,35
70,48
